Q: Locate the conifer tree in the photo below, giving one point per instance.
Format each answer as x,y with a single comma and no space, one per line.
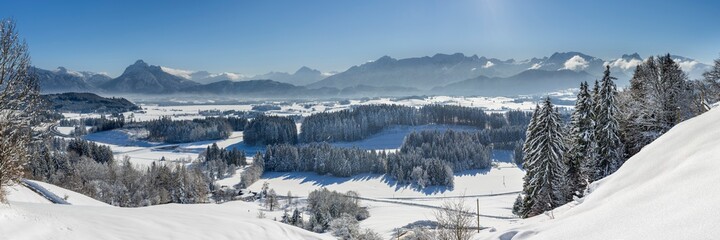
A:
544,183
582,140
610,149
530,136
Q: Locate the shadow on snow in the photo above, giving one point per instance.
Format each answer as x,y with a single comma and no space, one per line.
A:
327,180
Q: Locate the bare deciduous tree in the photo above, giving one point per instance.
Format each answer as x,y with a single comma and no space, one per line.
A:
455,220
18,99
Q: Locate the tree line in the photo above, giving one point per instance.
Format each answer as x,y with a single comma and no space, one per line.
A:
425,158
167,130
268,130
363,121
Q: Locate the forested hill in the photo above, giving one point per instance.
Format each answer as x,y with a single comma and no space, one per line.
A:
87,103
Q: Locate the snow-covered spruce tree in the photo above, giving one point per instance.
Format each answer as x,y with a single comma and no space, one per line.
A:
582,142
544,180
530,135
18,101
610,149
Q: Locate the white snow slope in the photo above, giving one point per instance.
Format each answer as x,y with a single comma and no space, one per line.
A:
667,191
30,217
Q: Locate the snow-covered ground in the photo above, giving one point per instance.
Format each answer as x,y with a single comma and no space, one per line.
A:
28,217
394,205
667,191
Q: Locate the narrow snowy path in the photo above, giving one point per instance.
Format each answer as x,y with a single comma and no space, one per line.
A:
427,206
452,197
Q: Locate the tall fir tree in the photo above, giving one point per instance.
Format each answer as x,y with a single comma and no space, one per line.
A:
544,179
530,136
610,149
580,154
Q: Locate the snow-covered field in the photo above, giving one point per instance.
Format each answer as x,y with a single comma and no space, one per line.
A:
27,217
393,205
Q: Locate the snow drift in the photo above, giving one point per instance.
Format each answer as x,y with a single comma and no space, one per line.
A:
31,217
667,191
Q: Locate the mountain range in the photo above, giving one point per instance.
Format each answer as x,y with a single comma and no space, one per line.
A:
452,74
63,80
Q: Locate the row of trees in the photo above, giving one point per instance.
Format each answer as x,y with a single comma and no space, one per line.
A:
181,131
98,124
323,158
362,121
425,158
268,130
462,150
606,128
82,148
416,169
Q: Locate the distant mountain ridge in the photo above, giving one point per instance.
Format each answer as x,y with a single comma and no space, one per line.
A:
302,76
437,74
534,81
63,80
149,79
442,69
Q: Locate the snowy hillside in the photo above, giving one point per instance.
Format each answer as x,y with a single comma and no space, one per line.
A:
667,191
29,216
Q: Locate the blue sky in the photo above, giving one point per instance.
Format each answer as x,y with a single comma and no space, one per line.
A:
253,37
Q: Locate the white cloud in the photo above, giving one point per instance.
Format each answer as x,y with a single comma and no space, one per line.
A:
687,65
488,64
68,71
624,64
177,72
576,63
229,75
535,66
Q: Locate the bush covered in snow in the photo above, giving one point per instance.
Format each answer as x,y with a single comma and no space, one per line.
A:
325,206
